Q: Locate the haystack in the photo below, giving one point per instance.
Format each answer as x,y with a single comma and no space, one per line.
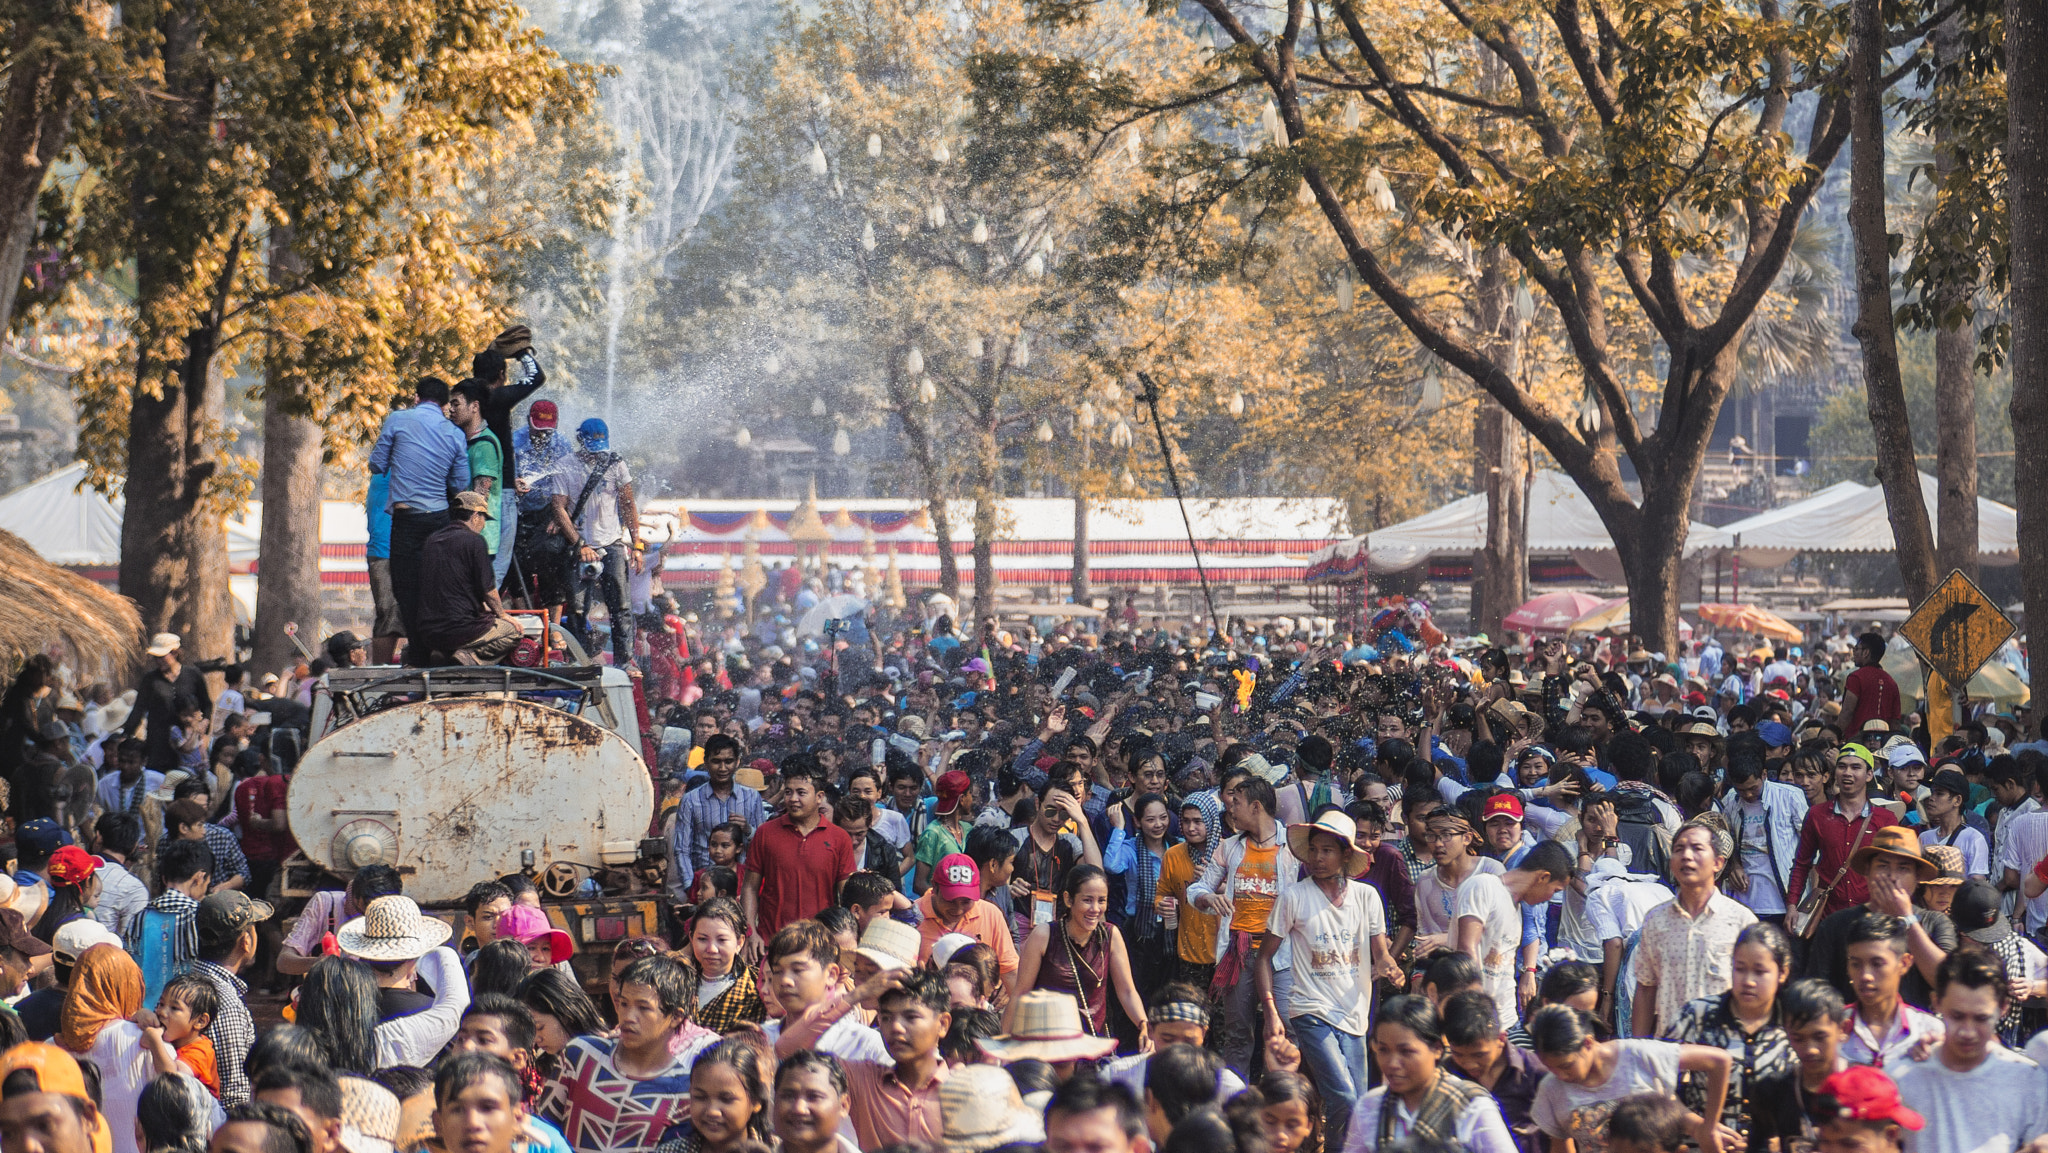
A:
43,605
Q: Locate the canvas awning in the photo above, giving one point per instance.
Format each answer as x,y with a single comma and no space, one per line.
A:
1849,517
1561,521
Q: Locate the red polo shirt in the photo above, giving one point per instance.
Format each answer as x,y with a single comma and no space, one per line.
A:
800,872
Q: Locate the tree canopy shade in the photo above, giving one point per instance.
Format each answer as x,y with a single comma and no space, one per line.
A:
297,181
1640,168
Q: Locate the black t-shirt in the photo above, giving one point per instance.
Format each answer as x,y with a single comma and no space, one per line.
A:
42,1012
455,576
1827,953
395,1003
498,408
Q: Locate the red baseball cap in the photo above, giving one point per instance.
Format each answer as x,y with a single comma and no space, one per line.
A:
1502,805
956,877
543,414
1864,1093
952,785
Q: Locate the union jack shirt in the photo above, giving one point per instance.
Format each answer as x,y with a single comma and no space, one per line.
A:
601,1110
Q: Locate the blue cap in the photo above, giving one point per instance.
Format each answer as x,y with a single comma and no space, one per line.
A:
594,434
1775,735
40,837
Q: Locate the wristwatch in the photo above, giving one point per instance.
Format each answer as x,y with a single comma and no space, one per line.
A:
1910,919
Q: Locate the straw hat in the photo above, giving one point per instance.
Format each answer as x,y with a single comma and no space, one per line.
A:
890,944
1048,1028
369,1116
1949,860
172,780
981,1111
27,900
114,714
1337,823
392,929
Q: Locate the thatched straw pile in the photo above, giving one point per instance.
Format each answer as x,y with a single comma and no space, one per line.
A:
42,604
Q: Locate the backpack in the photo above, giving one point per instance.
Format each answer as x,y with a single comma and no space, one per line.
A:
1640,825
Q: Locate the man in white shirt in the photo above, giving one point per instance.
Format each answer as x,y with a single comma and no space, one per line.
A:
1977,1095
1338,929
1486,920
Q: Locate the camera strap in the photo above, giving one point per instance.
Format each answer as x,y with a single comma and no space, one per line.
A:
590,485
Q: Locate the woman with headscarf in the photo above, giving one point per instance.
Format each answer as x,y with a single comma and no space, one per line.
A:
1201,821
106,993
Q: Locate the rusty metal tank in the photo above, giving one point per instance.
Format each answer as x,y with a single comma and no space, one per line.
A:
467,778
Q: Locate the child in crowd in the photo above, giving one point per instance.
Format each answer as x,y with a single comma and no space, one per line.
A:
728,1099
1290,1113
1648,1123
803,959
1816,1022
1858,1111
812,1101
176,1033
727,844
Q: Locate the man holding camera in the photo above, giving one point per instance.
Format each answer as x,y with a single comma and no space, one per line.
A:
595,489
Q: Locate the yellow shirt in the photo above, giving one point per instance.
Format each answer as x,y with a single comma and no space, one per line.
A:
1197,929
1252,889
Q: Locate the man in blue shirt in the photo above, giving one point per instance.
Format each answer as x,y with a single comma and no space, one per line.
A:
425,457
388,626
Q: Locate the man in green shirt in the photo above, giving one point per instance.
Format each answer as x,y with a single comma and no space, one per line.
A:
486,459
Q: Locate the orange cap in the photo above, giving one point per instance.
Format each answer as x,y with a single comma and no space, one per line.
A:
56,1072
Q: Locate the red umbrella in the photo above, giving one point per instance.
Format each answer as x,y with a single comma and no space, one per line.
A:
1550,613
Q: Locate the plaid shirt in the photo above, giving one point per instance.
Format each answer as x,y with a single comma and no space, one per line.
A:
739,1005
228,861
232,1031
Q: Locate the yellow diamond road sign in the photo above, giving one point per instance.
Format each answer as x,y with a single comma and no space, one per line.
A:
1957,628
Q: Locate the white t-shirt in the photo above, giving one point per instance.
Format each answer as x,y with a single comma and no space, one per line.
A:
1435,904
892,826
1485,897
847,1039
1617,908
1580,1112
126,1069
1332,951
1765,895
1995,1108
2020,849
1975,849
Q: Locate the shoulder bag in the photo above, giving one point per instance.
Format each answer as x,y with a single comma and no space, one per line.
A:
1804,919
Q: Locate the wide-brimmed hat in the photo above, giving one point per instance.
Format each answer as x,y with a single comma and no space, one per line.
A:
392,929
890,944
113,715
1338,824
370,1116
1949,860
982,1110
1894,841
530,927
172,780
1697,728
24,901
1263,769
1048,1028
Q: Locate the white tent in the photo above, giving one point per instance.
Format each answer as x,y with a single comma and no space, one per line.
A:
1849,517
1561,521
65,521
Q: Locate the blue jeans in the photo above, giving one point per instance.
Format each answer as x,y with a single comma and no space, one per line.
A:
611,581
508,534
1335,1061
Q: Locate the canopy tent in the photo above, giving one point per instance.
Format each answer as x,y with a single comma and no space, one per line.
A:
1849,517
1612,616
1561,522
66,522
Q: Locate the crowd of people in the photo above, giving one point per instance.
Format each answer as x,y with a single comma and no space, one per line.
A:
1084,892
1120,888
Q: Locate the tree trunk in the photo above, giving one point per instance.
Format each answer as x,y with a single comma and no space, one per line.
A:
1500,569
1955,387
2026,162
288,579
1078,586
988,464
919,434
35,122
174,558
1885,394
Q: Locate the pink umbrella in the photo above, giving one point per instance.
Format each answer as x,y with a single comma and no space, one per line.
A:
1550,613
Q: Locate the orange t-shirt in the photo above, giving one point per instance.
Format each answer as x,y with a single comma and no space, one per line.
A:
982,921
1253,886
196,1054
